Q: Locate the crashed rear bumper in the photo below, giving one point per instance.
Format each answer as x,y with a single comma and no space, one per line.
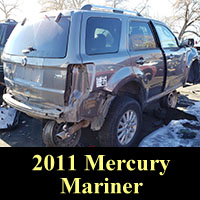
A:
33,111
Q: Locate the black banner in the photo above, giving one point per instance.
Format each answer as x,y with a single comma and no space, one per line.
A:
99,173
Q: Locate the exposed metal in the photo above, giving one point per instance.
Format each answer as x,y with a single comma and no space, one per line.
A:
73,129
51,129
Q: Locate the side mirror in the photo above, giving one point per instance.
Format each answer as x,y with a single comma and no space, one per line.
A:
187,43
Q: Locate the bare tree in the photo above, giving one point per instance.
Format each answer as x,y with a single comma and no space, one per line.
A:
8,8
142,6
194,32
76,3
188,15
61,4
53,4
115,3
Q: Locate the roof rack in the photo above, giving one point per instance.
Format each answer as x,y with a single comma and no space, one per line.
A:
10,20
115,10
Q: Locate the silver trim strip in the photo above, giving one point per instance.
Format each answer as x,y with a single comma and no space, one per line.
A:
115,10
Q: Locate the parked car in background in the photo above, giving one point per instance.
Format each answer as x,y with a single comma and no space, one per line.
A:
6,29
198,49
197,46
97,67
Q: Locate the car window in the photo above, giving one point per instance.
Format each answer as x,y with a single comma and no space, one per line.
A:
9,30
140,36
167,39
102,35
2,34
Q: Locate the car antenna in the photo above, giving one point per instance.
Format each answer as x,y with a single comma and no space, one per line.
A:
58,17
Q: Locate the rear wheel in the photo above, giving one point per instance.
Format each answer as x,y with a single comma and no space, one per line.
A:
50,139
123,123
170,100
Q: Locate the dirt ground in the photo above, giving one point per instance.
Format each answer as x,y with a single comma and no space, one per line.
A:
28,133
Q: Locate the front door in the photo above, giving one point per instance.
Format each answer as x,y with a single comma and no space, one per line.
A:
174,56
146,55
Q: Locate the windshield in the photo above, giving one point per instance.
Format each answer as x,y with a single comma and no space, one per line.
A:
44,38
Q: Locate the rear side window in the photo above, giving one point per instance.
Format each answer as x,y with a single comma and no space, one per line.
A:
140,36
102,35
167,39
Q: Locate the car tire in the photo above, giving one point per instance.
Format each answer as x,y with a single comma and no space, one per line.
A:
123,124
170,100
50,130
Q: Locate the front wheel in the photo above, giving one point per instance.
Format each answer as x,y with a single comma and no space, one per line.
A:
122,124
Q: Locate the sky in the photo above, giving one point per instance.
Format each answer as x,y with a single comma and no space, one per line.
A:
158,9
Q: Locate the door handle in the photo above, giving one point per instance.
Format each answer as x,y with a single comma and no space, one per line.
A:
140,61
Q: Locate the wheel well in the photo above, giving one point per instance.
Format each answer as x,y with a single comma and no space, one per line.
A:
132,89
194,73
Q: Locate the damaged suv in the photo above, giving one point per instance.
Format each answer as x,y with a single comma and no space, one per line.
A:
97,67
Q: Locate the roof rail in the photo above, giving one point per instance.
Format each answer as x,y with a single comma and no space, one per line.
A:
115,10
10,20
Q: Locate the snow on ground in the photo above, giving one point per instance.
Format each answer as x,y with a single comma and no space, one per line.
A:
178,133
194,110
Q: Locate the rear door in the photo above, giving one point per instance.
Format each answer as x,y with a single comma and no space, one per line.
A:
103,44
146,55
175,57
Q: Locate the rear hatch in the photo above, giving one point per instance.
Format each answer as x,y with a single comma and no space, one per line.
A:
34,58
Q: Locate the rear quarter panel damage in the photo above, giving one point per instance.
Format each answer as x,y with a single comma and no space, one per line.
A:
87,99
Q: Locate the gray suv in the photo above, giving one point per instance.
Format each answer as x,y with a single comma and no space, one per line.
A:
97,67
